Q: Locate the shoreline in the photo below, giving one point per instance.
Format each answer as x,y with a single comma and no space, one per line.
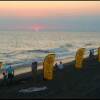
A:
27,68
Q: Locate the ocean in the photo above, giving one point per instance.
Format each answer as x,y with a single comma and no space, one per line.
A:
22,47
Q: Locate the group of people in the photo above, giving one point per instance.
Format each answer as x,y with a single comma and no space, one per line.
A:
8,74
59,66
8,71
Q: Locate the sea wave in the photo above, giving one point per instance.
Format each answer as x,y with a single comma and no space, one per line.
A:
22,48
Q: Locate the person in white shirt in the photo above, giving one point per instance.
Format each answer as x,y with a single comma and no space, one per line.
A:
60,66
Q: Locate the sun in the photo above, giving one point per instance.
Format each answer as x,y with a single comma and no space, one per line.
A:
38,27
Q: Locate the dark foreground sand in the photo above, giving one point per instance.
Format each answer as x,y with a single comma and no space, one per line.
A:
70,83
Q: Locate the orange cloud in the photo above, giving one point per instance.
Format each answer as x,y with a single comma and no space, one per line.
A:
41,9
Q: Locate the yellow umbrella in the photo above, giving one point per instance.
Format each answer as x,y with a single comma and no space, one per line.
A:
48,66
79,58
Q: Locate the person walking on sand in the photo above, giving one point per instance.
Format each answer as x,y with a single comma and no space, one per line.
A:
10,72
34,69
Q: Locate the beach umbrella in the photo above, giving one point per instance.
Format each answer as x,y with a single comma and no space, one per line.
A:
79,58
48,66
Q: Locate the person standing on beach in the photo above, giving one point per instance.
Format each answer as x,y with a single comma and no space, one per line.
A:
60,71
55,67
10,72
34,70
4,77
91,54
0,64
60,66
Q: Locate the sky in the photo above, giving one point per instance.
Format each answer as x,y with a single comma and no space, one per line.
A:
82,16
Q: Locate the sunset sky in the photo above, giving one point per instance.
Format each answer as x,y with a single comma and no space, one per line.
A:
50,15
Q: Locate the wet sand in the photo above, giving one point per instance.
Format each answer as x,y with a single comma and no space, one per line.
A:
68,83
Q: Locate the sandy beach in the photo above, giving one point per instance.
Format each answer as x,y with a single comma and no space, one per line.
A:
69,83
